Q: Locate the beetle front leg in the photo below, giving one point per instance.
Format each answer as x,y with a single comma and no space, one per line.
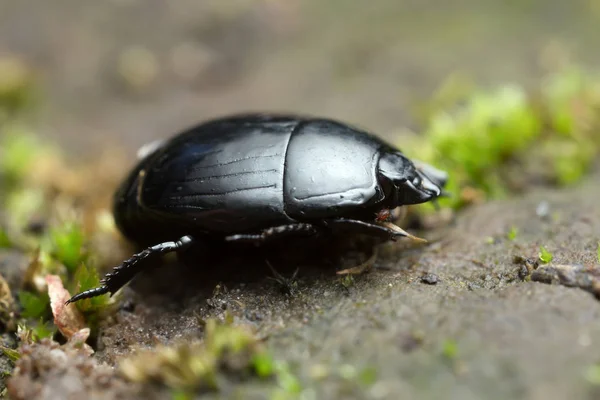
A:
122,274
383,230
274,233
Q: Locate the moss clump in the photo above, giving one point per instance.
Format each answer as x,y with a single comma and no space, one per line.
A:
189,367
59,243
545,256
489,130
450,349
592,374
17,86
18,151
512,234
86,277
4,239
34,305
66,244
496,142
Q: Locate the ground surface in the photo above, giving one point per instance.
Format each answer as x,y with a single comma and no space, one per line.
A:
482,331
514,339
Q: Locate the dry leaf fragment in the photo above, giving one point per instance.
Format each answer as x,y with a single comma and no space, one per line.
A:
68,319
78,340
7,306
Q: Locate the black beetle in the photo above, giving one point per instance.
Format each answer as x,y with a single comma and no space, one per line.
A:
257,177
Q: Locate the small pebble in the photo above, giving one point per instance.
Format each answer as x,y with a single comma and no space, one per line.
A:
430,279
254,316
543,209
128,306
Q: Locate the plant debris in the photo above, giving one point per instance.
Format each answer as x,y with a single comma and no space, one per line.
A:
67,318
526,266
570,275
7,306
226,350
362,268
47,370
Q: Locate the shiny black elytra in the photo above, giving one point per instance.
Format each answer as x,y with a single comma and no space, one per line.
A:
254,178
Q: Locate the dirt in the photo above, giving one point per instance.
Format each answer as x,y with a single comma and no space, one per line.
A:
483,329
515,338
460,318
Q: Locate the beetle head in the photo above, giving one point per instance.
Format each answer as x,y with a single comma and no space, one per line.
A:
406,183
437,176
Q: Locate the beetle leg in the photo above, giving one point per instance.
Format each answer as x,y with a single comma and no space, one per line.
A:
125,272
385,230
274,233
362,268
287,285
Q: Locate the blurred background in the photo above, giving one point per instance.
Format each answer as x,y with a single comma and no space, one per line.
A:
128,71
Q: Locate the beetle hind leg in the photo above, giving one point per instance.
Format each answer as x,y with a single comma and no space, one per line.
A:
274,233
123,273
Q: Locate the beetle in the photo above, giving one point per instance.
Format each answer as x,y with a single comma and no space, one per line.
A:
260,177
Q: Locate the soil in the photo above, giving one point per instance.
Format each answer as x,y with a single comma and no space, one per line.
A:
515,338
471,315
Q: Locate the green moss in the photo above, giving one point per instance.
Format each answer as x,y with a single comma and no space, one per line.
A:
67,245
29,193
34,305
492,127
264,364
287,381
545,256
450,349
16,155
85,278
496,141
592,375
19,149
43,329
347,281
13,355
368,376
22,204
24,198
17,85
181,395
192,366
512,234
33,331
571,97
4,239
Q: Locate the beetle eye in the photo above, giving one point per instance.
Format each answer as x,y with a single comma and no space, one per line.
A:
416,181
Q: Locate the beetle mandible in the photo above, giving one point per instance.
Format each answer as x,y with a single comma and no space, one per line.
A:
260,177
